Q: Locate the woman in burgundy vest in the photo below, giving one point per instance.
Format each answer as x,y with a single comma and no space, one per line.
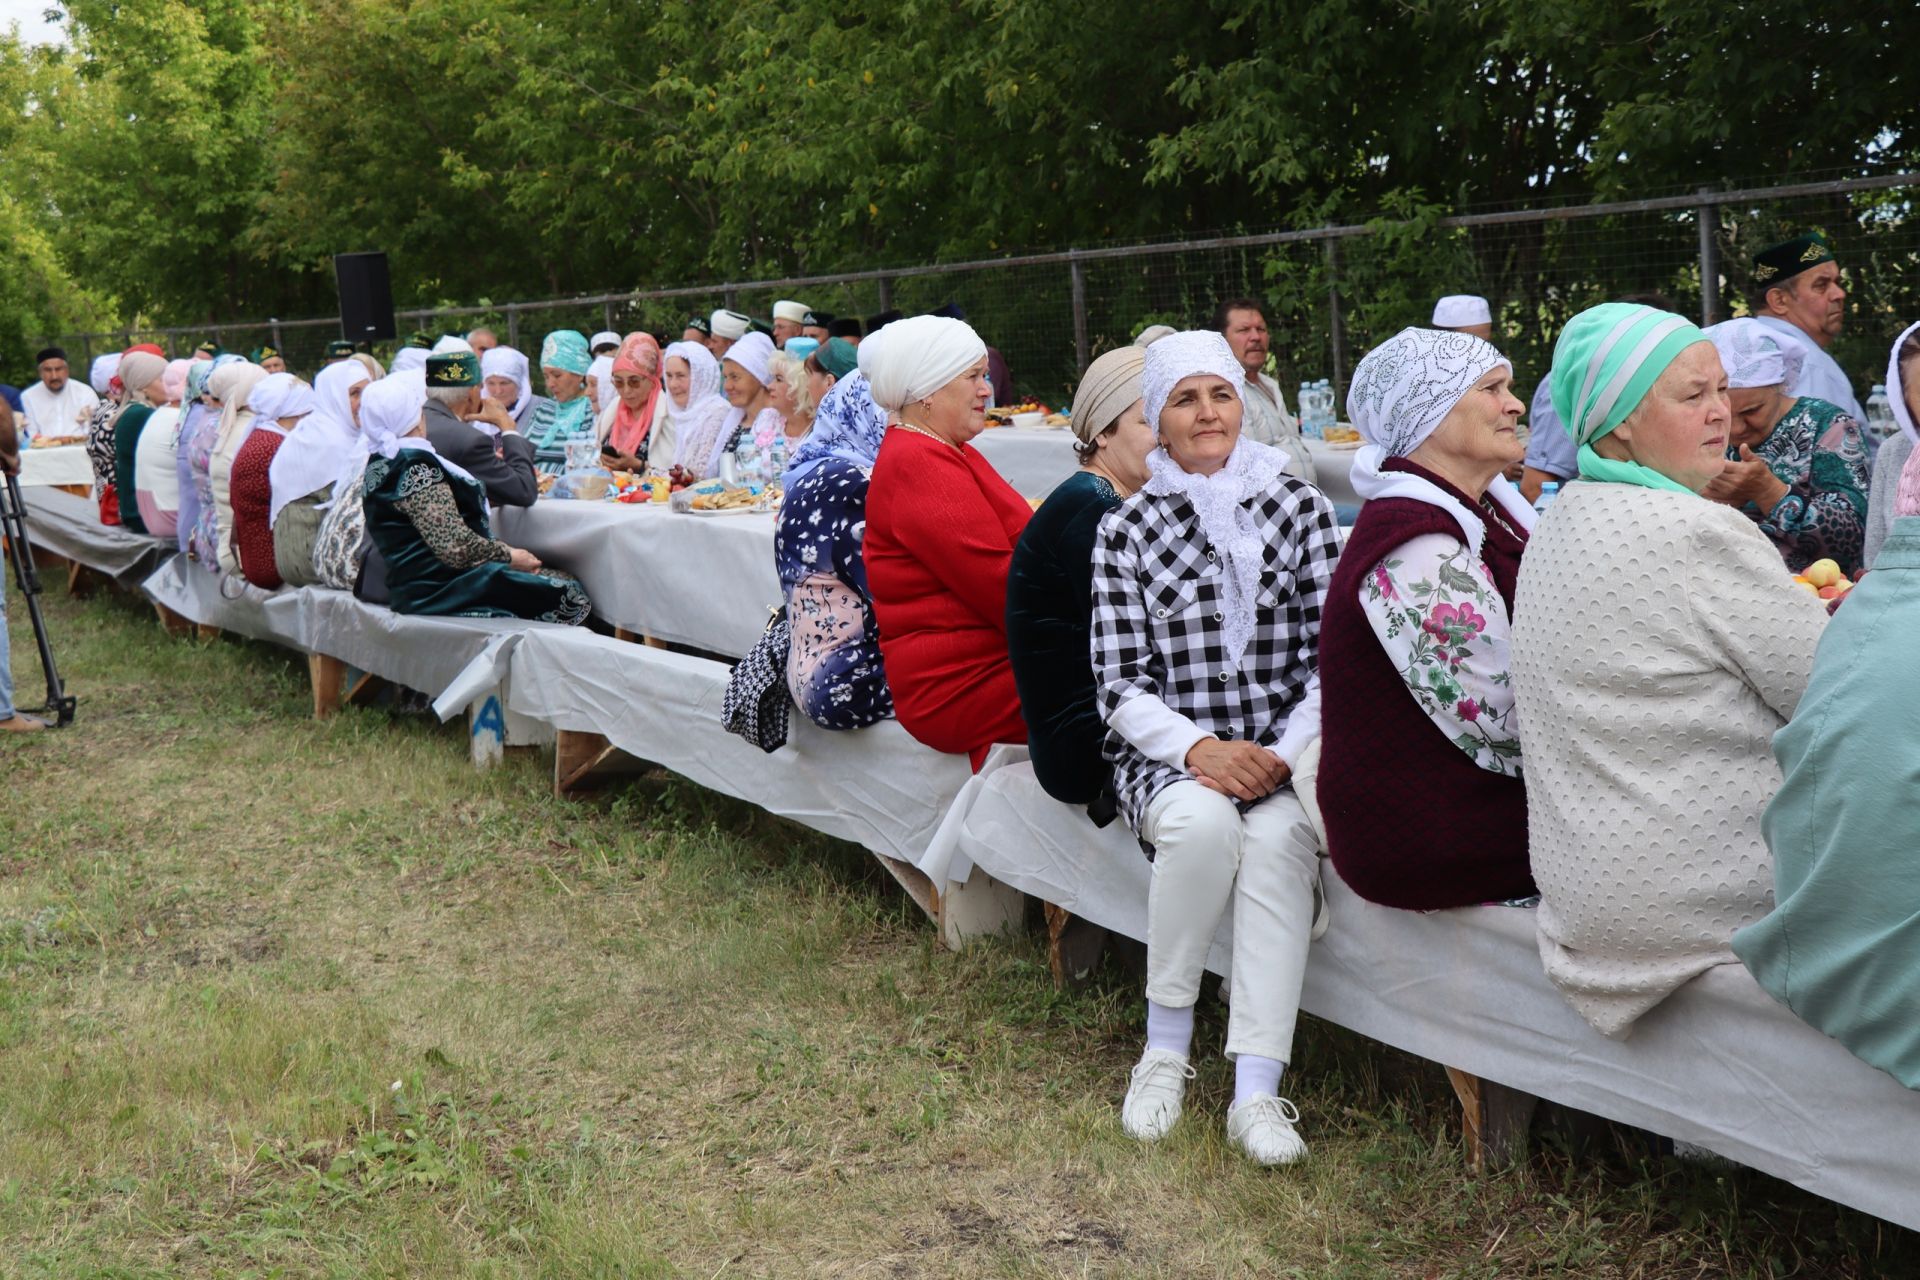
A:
1419,784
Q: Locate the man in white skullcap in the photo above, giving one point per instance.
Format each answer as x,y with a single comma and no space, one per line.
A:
603,343
728,327
1464,313
789,319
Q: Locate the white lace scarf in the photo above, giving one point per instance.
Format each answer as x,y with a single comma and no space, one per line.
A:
1219,502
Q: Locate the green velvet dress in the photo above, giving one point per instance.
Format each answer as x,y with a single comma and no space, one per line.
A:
126,438
431,528
1050,638
1841,947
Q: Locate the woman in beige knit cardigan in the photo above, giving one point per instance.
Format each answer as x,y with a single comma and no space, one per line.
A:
1658,645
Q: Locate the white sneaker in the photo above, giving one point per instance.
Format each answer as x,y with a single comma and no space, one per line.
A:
1262,1128
1152,1105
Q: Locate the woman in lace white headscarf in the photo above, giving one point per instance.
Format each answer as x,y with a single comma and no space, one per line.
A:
695,409
1208,586
1418,783
1903,395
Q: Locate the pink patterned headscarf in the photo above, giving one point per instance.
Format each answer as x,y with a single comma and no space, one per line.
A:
640,354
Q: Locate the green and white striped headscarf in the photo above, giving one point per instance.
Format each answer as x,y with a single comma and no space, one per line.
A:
1606,361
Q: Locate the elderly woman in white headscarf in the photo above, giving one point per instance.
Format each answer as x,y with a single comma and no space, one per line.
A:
506,376
1796,466
1903,395
696,411
1418,784
279,403
1050,585
305,468
428,519
1208,586
232,386
745,448
941,528
1658,647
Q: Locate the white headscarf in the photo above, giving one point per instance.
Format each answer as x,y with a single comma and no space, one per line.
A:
1897,387
280,395
312,456
450,343
1754,356
101,372
911,359
703,375
1401,393
407,359
601,371
389,409
754,353
505,362
1186,355
1219,501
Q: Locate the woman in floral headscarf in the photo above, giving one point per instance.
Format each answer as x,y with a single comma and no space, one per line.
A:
1419,782
569,415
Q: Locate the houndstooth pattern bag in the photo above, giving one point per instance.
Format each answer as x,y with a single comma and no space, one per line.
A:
757,704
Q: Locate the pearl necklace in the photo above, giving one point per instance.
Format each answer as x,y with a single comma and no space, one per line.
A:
904,425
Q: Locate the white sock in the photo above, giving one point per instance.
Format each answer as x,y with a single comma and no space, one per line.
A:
1255,1076
1169,1028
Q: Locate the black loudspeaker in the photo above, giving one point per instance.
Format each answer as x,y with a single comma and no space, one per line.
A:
366,296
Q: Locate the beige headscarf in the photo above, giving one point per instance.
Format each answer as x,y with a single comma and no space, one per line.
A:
1110,384
230,384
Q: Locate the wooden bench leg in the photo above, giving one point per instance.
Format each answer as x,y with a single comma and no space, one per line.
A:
916,883
175,624
328,677
982,907
584,762
1494,1119
206,632
364,689
1074,946
80,579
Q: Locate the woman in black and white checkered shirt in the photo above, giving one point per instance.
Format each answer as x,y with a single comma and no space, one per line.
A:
1207,592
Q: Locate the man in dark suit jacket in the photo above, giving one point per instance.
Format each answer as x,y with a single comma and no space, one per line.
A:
476,432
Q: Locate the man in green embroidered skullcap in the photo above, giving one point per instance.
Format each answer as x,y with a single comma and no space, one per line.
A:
475,433
419,339
269,358
1798,295
339,349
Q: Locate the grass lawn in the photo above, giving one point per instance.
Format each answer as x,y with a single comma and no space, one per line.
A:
280,998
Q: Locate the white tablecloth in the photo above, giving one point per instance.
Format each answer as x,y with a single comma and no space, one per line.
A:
1033,462
705,581
64,464
1334,468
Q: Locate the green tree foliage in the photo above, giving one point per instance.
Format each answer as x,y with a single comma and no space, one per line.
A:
190,160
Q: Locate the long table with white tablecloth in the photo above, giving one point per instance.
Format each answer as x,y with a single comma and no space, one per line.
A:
64,465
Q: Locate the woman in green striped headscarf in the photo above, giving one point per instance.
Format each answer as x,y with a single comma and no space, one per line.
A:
1658,645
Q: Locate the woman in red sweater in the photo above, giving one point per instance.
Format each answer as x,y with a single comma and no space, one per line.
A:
278,403
941,528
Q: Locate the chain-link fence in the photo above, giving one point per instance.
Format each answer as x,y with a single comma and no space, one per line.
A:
1330,292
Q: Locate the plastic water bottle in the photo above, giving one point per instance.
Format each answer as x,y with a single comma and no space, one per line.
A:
1548,492
1324,406
1880,423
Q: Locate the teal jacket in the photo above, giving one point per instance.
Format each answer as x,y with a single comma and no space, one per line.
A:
1841,947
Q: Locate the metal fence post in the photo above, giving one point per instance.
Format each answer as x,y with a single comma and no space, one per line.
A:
606,316
886,293
1336,324
1708,217
1077,273
513,325
731,296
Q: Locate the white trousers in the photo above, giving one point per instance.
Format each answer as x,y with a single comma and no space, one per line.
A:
1265,865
